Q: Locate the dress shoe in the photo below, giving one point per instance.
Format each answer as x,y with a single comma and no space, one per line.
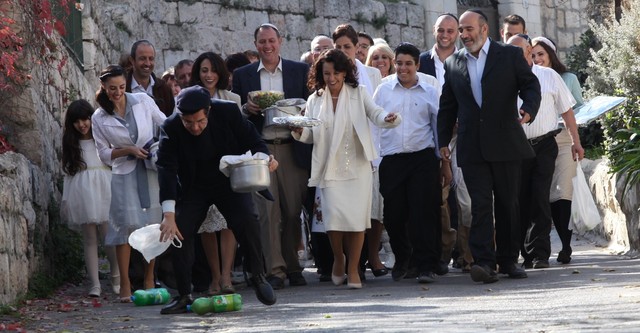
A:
441,268
539,263
398,274
484,274
527,264
564,257
95,291
354,285
337,279
412,273
380,272
325,277
177,305
426,277
275,282
264,291
296,279
513,271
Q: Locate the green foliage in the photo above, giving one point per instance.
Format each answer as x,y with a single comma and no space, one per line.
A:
309,15
580,55
625,154
379,22
614,69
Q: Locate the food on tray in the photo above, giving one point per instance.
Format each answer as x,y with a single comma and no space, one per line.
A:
265,99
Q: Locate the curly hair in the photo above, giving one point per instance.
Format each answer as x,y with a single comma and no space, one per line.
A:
341,63
217,66
72,161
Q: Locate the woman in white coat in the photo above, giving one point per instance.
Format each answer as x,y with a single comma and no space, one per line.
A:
342,153
123,128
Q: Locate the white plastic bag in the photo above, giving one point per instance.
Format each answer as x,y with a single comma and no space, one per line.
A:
147,241
584,213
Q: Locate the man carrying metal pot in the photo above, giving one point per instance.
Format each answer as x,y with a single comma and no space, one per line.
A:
192,142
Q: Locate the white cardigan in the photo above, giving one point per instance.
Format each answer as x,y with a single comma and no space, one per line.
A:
360,107
109,133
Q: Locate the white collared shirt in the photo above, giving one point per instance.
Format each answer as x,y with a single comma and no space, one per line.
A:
418,106
475,66
137,88
273,81
439,64
556,100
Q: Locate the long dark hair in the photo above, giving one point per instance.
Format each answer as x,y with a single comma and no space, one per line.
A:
217,65
556,64
341,63
101,95
72,161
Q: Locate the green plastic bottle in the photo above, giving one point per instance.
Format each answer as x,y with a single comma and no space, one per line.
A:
218,303
153,296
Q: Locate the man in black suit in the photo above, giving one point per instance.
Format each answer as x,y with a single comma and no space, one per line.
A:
482,84
280,220
192,142
445,31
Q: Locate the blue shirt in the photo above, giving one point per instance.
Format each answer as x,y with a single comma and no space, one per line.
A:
475,66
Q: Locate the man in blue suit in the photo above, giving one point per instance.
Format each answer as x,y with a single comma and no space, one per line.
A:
482,85
280,220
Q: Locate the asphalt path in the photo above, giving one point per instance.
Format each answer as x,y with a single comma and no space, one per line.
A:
599,291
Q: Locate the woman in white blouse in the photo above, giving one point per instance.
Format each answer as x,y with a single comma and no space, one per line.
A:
342,153
124,128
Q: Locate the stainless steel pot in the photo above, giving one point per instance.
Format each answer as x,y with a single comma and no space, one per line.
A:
280,111
250,176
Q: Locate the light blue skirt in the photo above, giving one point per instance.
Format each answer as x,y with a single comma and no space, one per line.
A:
125,214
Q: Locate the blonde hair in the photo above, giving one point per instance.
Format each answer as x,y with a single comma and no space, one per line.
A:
386,50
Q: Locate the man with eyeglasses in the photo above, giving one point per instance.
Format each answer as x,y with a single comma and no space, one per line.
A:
192,142
364,43
280,220
537,172
480,93
319,44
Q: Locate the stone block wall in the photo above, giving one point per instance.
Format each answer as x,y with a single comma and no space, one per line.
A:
564,22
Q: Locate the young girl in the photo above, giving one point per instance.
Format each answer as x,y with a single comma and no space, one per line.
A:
87,190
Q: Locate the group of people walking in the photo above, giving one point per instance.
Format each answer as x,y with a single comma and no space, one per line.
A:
406,140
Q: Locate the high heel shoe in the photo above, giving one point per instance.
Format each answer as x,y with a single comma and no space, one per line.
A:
354,285
337,280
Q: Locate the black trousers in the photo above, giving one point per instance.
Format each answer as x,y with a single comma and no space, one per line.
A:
494,184
238,211
410,186
535,210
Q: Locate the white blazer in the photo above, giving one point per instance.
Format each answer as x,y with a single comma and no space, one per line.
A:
361,109
109,133
229,96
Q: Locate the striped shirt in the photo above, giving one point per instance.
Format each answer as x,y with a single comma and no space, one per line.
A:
556,100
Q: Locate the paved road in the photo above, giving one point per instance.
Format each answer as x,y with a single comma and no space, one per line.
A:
598,291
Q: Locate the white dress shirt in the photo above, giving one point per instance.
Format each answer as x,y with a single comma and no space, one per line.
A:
556,100
439,64
418,106
137,88
273,81
475,67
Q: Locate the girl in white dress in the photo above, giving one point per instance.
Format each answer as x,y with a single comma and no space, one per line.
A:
86,195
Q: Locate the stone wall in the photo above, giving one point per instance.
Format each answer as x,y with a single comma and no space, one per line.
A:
620,218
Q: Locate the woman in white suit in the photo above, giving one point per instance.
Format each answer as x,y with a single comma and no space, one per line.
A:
342,153
123,128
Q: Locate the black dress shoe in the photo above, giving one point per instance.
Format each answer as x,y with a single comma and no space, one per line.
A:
539,263
527,264
513,271
296,279
325,277
484,274
564,257
264,291
398,274
442,268
177,305
379,272
426,277
275,282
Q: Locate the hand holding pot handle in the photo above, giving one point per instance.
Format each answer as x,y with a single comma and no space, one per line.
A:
273,164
